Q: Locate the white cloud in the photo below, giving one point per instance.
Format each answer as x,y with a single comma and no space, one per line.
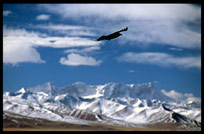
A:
161,59
70,30
84,50
173,94
77,60
65,42
165,24
43,17
128,11
17,53
180,97
7,12
19,45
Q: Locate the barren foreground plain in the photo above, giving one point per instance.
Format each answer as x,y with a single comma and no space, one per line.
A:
37,124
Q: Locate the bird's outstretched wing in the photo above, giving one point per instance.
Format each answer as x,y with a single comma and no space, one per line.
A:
113,35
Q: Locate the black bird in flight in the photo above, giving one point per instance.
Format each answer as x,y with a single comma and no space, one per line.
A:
113,35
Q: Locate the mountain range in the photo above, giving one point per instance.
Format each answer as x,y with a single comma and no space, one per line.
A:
136,105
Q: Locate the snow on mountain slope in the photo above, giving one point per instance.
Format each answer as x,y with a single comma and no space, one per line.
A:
115,102
47,110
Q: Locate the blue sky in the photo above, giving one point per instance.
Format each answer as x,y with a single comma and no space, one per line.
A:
56,43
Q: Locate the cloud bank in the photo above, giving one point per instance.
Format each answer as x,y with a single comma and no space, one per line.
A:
176,25
70,30
161,59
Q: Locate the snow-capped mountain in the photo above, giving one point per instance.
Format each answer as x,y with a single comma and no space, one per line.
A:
124,104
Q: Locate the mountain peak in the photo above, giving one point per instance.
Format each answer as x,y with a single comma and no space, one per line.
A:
47,87
22,90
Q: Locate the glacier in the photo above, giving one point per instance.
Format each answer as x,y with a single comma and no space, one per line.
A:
111,103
